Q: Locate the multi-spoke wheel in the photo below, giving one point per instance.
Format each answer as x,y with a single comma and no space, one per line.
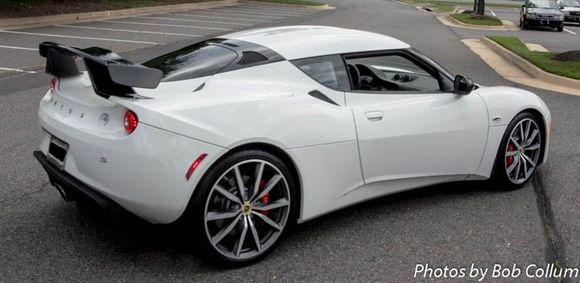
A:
519,154
246,206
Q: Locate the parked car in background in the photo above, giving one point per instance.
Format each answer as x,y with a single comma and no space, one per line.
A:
541,13
570,9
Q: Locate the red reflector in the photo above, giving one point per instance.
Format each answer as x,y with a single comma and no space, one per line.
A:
194,165
52,85
130,121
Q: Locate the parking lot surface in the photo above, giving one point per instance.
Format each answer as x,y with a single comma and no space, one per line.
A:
552,40
19,48
45,239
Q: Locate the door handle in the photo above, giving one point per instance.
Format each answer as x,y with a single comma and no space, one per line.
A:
374,115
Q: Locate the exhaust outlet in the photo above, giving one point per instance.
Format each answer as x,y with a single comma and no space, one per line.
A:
63,193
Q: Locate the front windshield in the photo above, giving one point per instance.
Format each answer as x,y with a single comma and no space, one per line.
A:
543,4
570,3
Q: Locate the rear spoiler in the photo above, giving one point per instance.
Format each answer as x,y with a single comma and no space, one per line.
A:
110,74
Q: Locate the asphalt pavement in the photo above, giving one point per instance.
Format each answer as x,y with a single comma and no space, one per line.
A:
45,239
19,47
552,40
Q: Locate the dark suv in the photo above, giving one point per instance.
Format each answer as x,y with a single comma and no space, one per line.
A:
544,13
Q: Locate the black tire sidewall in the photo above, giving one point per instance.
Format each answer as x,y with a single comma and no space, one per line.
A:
197,211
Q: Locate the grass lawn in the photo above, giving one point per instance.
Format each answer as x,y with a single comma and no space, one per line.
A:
441,6
30,8
477,20
449,6
295,2
542,60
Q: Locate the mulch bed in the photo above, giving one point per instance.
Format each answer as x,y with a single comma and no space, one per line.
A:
570,56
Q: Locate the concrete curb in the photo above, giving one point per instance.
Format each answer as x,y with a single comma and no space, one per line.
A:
450,21
528,67
321,7
510,71
14,23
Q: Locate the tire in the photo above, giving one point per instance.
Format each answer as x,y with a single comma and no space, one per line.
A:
561,28
516,162
218,195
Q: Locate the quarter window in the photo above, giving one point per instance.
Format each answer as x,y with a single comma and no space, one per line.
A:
327,70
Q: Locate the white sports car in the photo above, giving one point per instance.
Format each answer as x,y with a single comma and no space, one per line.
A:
243,135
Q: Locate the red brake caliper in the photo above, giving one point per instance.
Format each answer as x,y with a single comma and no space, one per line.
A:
266,198
510,159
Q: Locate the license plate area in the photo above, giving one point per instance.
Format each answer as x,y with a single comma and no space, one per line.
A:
57,150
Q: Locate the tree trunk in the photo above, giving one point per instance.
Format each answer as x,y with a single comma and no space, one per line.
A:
475,6
480,9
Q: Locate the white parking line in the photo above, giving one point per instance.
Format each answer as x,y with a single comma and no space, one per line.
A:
77,37
163,25
241,14
266,10
255,12
129,30
569,31
17,70
19,48
190,20
491,11
214,17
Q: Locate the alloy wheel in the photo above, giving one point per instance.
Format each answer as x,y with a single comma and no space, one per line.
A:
522,151
247,209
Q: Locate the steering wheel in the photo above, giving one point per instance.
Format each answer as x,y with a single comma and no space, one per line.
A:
375,82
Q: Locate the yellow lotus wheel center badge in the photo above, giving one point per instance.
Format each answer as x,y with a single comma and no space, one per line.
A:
246,208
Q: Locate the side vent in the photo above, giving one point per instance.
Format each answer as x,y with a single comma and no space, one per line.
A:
319,95
251,57
199,87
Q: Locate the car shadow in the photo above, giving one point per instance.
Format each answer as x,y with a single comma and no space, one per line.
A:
125,233
539,28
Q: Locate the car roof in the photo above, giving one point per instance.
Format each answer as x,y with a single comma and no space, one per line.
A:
294,42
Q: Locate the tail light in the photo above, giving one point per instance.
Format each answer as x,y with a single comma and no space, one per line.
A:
130,121
52,85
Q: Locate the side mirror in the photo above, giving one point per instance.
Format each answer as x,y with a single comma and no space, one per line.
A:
462,85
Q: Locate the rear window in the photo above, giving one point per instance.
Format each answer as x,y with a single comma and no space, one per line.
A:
194,61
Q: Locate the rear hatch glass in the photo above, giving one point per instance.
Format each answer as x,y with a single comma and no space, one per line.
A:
194,61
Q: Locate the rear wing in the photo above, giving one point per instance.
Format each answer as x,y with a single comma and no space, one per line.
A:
110,74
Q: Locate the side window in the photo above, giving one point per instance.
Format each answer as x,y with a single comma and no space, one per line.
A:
389,73
327,70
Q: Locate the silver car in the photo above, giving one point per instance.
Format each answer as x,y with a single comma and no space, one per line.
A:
541,13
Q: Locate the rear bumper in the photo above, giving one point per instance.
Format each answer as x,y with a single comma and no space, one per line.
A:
144,172
70,188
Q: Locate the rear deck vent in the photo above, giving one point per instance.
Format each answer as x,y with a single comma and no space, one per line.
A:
251,57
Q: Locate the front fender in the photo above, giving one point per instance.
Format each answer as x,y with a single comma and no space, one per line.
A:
504,103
